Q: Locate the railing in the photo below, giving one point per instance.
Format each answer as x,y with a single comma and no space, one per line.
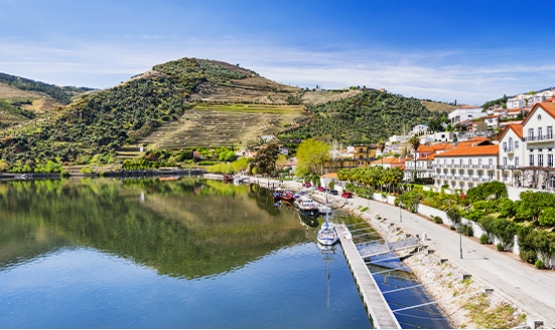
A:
538,138
475,166
508,149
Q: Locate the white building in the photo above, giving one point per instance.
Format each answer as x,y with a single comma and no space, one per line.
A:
443,136
492,121
511,153
466,167
466,113
516,102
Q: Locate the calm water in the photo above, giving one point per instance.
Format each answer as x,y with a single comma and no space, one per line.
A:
172,254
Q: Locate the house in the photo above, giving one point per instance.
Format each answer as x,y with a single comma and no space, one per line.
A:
516,102
444,137
511,153
385,162
466,113
465,167
492,121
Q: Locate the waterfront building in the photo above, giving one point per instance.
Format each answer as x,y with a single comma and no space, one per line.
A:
466,166
511,153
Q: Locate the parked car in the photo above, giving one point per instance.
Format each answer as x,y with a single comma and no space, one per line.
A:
347,194
334,192
322,189
307,185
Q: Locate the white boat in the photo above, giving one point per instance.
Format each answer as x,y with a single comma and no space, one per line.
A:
306,205
327,235
324,209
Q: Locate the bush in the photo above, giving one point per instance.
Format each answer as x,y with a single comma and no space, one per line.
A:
484,239
500,247
539,264
529,256
438,219
467,230
452,227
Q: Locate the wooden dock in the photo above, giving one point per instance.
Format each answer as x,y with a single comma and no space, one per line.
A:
381,315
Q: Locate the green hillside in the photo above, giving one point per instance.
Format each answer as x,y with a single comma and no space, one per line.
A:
364,118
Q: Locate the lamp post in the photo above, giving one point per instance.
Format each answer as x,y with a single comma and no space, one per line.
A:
460,240
400,212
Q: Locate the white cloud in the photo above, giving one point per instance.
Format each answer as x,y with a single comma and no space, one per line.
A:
470,77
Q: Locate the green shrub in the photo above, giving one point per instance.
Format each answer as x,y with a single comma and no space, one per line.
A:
438,219
452,227
467,230
529,256
539,264
500,247
484,239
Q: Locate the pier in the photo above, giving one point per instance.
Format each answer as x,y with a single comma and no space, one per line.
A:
378,309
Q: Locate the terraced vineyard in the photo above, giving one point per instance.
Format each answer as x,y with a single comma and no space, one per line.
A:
223,125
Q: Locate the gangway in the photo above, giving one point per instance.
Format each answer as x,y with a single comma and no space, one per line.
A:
378,249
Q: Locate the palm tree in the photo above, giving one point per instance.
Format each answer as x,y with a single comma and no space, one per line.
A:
381,147
414,141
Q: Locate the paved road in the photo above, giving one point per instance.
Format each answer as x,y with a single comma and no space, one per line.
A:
530,289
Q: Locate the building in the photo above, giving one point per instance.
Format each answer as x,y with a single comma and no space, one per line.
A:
511,153
466,166
492,121
516,102
466,113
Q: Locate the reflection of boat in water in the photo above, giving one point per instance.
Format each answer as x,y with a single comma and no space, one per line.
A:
306,205
308,221
327,251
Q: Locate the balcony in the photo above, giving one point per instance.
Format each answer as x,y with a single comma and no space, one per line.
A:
509,150
539,138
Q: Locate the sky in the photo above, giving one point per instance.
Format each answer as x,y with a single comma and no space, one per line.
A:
468,51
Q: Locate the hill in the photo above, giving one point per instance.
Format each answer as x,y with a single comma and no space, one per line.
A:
363,118
191,102
438,106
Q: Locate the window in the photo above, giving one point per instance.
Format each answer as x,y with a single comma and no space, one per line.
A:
550,132
470,161
531,160
516,161
530,134
540,160
539,133
452,162
510,143
550,160
504,161
444,161
490,162
480,161
516,144
460,162
505,146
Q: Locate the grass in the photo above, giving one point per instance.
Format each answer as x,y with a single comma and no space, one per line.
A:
252,108
496,317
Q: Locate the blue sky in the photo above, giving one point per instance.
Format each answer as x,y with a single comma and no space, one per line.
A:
471,51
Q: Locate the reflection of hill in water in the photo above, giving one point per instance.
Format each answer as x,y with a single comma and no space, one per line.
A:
182,228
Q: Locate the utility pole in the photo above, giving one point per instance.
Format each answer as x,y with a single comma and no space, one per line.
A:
400,212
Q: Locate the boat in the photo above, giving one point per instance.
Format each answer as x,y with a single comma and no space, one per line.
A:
324,209
307,206
327,235
287,196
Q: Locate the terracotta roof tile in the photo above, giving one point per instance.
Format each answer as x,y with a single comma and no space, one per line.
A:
471,151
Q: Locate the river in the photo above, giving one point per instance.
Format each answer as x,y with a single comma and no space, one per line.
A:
145,253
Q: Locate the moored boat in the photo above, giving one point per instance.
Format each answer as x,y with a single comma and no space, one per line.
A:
306,205
327,234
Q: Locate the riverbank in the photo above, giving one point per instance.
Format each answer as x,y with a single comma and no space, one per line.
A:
464,302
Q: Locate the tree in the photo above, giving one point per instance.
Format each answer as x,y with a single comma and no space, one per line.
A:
266,158
311,155
414,141
531,204
454,214
547,217
381,146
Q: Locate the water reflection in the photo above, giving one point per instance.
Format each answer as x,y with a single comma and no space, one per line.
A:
185,228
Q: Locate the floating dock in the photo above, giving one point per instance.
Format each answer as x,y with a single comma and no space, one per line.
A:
378,309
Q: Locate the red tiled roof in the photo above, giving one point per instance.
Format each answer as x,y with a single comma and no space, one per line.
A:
471,151
549,107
